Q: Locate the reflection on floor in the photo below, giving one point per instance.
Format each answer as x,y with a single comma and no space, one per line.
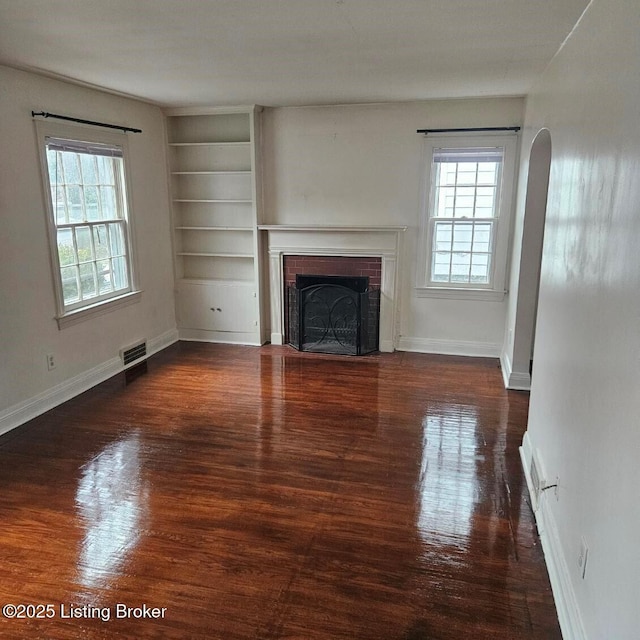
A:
264,493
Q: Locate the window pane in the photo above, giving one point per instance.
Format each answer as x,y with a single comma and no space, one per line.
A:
108,198
440,269
480,269
104,276
116,236
92,204
100,241
105,170
54,167
83,242
443,233
74,204
71,167
66,251
467,173
462,236
446,173
88,280
482,238
59,204
89,172
120,276
460,267
69,277
487,172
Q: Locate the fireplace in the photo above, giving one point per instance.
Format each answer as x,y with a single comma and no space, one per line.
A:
333,314
288,244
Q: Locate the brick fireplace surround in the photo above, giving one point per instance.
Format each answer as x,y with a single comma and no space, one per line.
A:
324,250
293,265
332,266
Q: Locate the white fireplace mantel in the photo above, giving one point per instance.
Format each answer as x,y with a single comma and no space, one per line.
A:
347,241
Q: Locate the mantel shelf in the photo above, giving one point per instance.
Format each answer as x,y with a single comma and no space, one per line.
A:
208,144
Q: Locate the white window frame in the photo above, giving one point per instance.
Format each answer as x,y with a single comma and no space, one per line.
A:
69,314
495,289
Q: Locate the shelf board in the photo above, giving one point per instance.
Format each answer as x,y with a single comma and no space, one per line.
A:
212,173
215,255
209,144
215,228
205,281
213,200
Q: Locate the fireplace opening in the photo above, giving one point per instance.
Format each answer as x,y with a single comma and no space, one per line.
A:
333,314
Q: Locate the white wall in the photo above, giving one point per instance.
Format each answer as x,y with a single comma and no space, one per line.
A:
585,397
362,165
87,351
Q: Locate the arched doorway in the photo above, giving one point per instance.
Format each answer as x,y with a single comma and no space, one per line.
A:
531,253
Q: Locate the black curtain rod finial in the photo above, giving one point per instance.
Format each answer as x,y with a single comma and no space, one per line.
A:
45,114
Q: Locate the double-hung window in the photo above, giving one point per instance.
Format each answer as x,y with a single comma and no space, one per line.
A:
88,218
466,214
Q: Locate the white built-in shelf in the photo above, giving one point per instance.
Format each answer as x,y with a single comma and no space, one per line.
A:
217,254
214,228
213,157
213,200
211,173
209,144
227,281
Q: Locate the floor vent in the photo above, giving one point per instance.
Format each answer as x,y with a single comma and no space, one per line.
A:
134,354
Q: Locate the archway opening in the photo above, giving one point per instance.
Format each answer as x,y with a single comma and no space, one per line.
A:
531,252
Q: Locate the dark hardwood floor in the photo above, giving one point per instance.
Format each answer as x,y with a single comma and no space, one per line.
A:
259,493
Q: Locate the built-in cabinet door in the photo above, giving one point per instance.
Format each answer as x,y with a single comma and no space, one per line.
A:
217,307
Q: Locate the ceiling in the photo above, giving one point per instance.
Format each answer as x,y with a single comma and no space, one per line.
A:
289,52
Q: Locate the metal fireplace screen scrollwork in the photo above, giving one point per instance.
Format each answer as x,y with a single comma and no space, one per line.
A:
333,314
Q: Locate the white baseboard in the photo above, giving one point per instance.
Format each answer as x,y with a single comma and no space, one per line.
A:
519,381
32,407
220,337
564,595
449,347
162,341
26,410
386,346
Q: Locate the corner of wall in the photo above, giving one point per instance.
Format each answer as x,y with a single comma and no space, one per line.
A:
515,380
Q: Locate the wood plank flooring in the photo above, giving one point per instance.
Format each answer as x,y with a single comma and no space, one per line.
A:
259,493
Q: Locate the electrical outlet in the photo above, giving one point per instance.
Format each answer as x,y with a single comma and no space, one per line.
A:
582,557
51,361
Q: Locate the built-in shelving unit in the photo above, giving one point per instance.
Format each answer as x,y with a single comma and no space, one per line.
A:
216,198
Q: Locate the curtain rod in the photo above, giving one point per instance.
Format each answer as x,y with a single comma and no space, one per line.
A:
44,114
467,130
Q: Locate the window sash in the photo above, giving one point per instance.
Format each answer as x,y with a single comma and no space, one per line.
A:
474,248
98,269
463,210
88,217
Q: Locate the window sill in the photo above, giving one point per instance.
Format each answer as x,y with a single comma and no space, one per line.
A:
487,295
98,309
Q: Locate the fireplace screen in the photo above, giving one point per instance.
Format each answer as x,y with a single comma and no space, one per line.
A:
333,314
